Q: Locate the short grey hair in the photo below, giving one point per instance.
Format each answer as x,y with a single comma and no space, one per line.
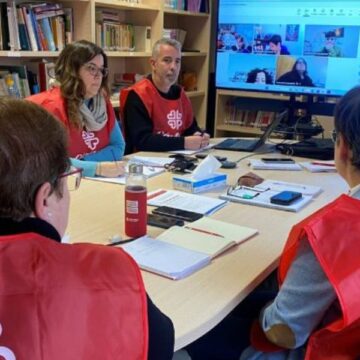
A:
164,41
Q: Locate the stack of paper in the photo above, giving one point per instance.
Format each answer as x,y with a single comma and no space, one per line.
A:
180,251
184,201
151,160
149,171
257,164
319,166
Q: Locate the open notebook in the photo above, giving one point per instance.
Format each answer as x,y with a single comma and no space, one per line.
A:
180,251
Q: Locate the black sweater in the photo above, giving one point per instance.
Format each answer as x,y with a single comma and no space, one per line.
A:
139,126
161,330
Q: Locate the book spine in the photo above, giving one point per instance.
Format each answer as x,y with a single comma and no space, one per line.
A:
46,28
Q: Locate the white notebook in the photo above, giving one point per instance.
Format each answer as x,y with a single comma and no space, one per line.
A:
165,259
257,164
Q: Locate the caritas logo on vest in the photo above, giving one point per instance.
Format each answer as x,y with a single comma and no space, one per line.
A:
174,121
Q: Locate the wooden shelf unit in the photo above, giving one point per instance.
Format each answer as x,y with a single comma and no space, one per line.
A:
147,13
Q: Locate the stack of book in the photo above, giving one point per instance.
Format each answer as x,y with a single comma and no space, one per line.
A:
235,115
176,34
35,26
113,34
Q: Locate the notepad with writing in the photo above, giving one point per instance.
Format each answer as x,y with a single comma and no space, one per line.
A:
208,236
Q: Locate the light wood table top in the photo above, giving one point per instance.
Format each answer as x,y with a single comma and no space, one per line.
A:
199,302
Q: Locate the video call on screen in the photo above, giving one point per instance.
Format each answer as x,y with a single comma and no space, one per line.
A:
309,47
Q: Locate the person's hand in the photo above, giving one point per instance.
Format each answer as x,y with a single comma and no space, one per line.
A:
110,168
205,138
193,142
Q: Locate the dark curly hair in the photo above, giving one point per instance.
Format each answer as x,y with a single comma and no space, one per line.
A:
251,77
67,69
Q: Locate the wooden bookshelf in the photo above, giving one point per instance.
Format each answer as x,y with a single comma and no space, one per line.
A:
151,13
230,120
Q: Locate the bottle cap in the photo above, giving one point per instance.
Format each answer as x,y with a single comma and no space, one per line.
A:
135,169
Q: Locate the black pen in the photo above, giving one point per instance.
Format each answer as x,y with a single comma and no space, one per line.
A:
120,242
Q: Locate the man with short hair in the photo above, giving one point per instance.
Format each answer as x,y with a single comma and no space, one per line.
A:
276,47
156,112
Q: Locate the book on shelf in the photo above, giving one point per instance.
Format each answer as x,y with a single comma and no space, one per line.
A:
18,81
176,34
46,72
142,38
264,118
180,251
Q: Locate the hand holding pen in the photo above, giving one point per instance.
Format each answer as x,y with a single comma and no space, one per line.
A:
110,168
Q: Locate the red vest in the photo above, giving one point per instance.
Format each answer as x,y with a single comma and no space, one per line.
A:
169,117
70,302
81,142
334,235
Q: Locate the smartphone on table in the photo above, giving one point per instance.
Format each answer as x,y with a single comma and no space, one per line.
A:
285,197
162,221
278,160
177,213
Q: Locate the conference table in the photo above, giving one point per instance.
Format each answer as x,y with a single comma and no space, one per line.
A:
199,302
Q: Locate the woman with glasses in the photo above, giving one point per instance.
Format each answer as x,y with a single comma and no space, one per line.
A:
61,301
80,100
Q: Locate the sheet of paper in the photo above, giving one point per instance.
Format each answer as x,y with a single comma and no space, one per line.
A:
261,165
192,152
151,160
322,166
277,185
195,240
149,171
185,201
232,232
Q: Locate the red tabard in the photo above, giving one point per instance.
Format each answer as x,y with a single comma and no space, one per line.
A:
334,235
70,302
81,142
169,117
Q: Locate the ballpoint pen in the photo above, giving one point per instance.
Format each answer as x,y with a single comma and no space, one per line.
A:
121,242
203,231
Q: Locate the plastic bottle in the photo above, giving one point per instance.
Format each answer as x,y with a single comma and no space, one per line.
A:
135,202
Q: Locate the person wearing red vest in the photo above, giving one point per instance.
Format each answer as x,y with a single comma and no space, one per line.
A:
315,315
61,301
80,100
156,113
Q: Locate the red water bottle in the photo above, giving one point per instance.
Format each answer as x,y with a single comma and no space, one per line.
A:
135,202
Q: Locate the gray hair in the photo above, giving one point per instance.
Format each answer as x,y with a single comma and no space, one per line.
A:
164,41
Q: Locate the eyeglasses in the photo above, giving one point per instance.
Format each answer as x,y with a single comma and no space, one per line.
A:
334,136
95,71
245,192
73,176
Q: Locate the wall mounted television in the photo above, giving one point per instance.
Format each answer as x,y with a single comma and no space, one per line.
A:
288,46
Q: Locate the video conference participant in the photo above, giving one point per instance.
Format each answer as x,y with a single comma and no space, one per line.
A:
276,47
298,75
330,48
316,313
60,301
80,100
157,113
259,76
